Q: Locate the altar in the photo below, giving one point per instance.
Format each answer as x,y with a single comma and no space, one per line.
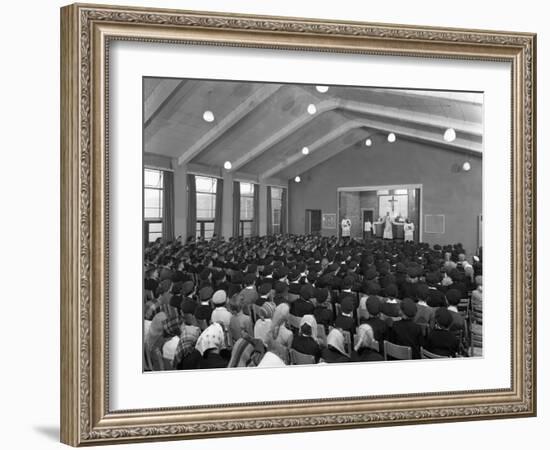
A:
397,230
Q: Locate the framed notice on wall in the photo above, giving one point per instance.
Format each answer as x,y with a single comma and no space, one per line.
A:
328,221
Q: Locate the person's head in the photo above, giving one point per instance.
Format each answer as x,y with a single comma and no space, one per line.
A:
453,297
335,340
443,318
365,337
249,279
373,305
408,308
347,305
391,290
211,339
219,298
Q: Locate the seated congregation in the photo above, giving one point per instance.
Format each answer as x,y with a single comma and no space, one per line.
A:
280,300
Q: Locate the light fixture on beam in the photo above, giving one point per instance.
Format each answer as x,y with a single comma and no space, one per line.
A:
466,166
449,135
208,116
297,179
391,137
368,142
227,165
321,89
305,151
311,109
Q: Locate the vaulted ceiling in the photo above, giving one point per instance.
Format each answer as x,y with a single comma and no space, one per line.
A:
261,128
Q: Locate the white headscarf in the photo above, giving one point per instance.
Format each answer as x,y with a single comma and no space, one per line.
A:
280,316
270,359
336,340
310,320
211,338
365,336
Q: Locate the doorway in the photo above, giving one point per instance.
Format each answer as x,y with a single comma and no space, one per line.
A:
313,221
367,215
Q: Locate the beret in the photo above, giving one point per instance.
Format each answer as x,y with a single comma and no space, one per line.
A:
249,278
306,291
453,296
206,293
321,294
373,305
264,289
409,307
443,317
219,298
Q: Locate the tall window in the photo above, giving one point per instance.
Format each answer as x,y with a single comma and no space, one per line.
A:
206,206
276,205
247,209
152,203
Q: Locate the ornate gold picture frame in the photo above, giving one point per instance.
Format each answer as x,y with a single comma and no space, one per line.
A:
86,34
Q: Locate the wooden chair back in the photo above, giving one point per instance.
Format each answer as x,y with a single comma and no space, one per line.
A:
299,359
425,354
397,351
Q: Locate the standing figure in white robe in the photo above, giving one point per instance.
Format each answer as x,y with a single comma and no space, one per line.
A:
388,231
346,228
408,228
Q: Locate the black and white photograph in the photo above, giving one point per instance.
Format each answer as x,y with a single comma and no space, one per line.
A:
292,224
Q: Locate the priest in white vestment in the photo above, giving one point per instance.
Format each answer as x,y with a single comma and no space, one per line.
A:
388,223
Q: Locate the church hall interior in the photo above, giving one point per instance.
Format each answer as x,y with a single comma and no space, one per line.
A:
375,184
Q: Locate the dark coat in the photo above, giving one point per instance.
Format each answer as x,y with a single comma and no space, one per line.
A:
301,307
442,342
406,332
306,345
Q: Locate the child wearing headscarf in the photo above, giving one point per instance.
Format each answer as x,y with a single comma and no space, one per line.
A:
363,350
209,345
306,340
335,351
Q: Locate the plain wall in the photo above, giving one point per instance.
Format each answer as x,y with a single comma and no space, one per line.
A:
445,188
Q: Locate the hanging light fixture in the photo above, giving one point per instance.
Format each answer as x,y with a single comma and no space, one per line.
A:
466,166
311,109
449,135
321,89
297,179
305,151
391,137
368,142
227,165
208,116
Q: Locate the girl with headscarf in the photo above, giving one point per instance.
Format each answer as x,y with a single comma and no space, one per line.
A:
363,347
306,340
154,340
262,327
335,352
187,356
279,332
209,345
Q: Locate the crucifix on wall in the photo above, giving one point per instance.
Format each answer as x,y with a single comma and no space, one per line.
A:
392,202
396,205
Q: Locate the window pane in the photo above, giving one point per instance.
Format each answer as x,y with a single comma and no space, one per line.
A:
153,203
276,228
206,206
206,184
276,194
153,178
400,192
154,236
247,208
247,188
247,229
208,230
155,227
